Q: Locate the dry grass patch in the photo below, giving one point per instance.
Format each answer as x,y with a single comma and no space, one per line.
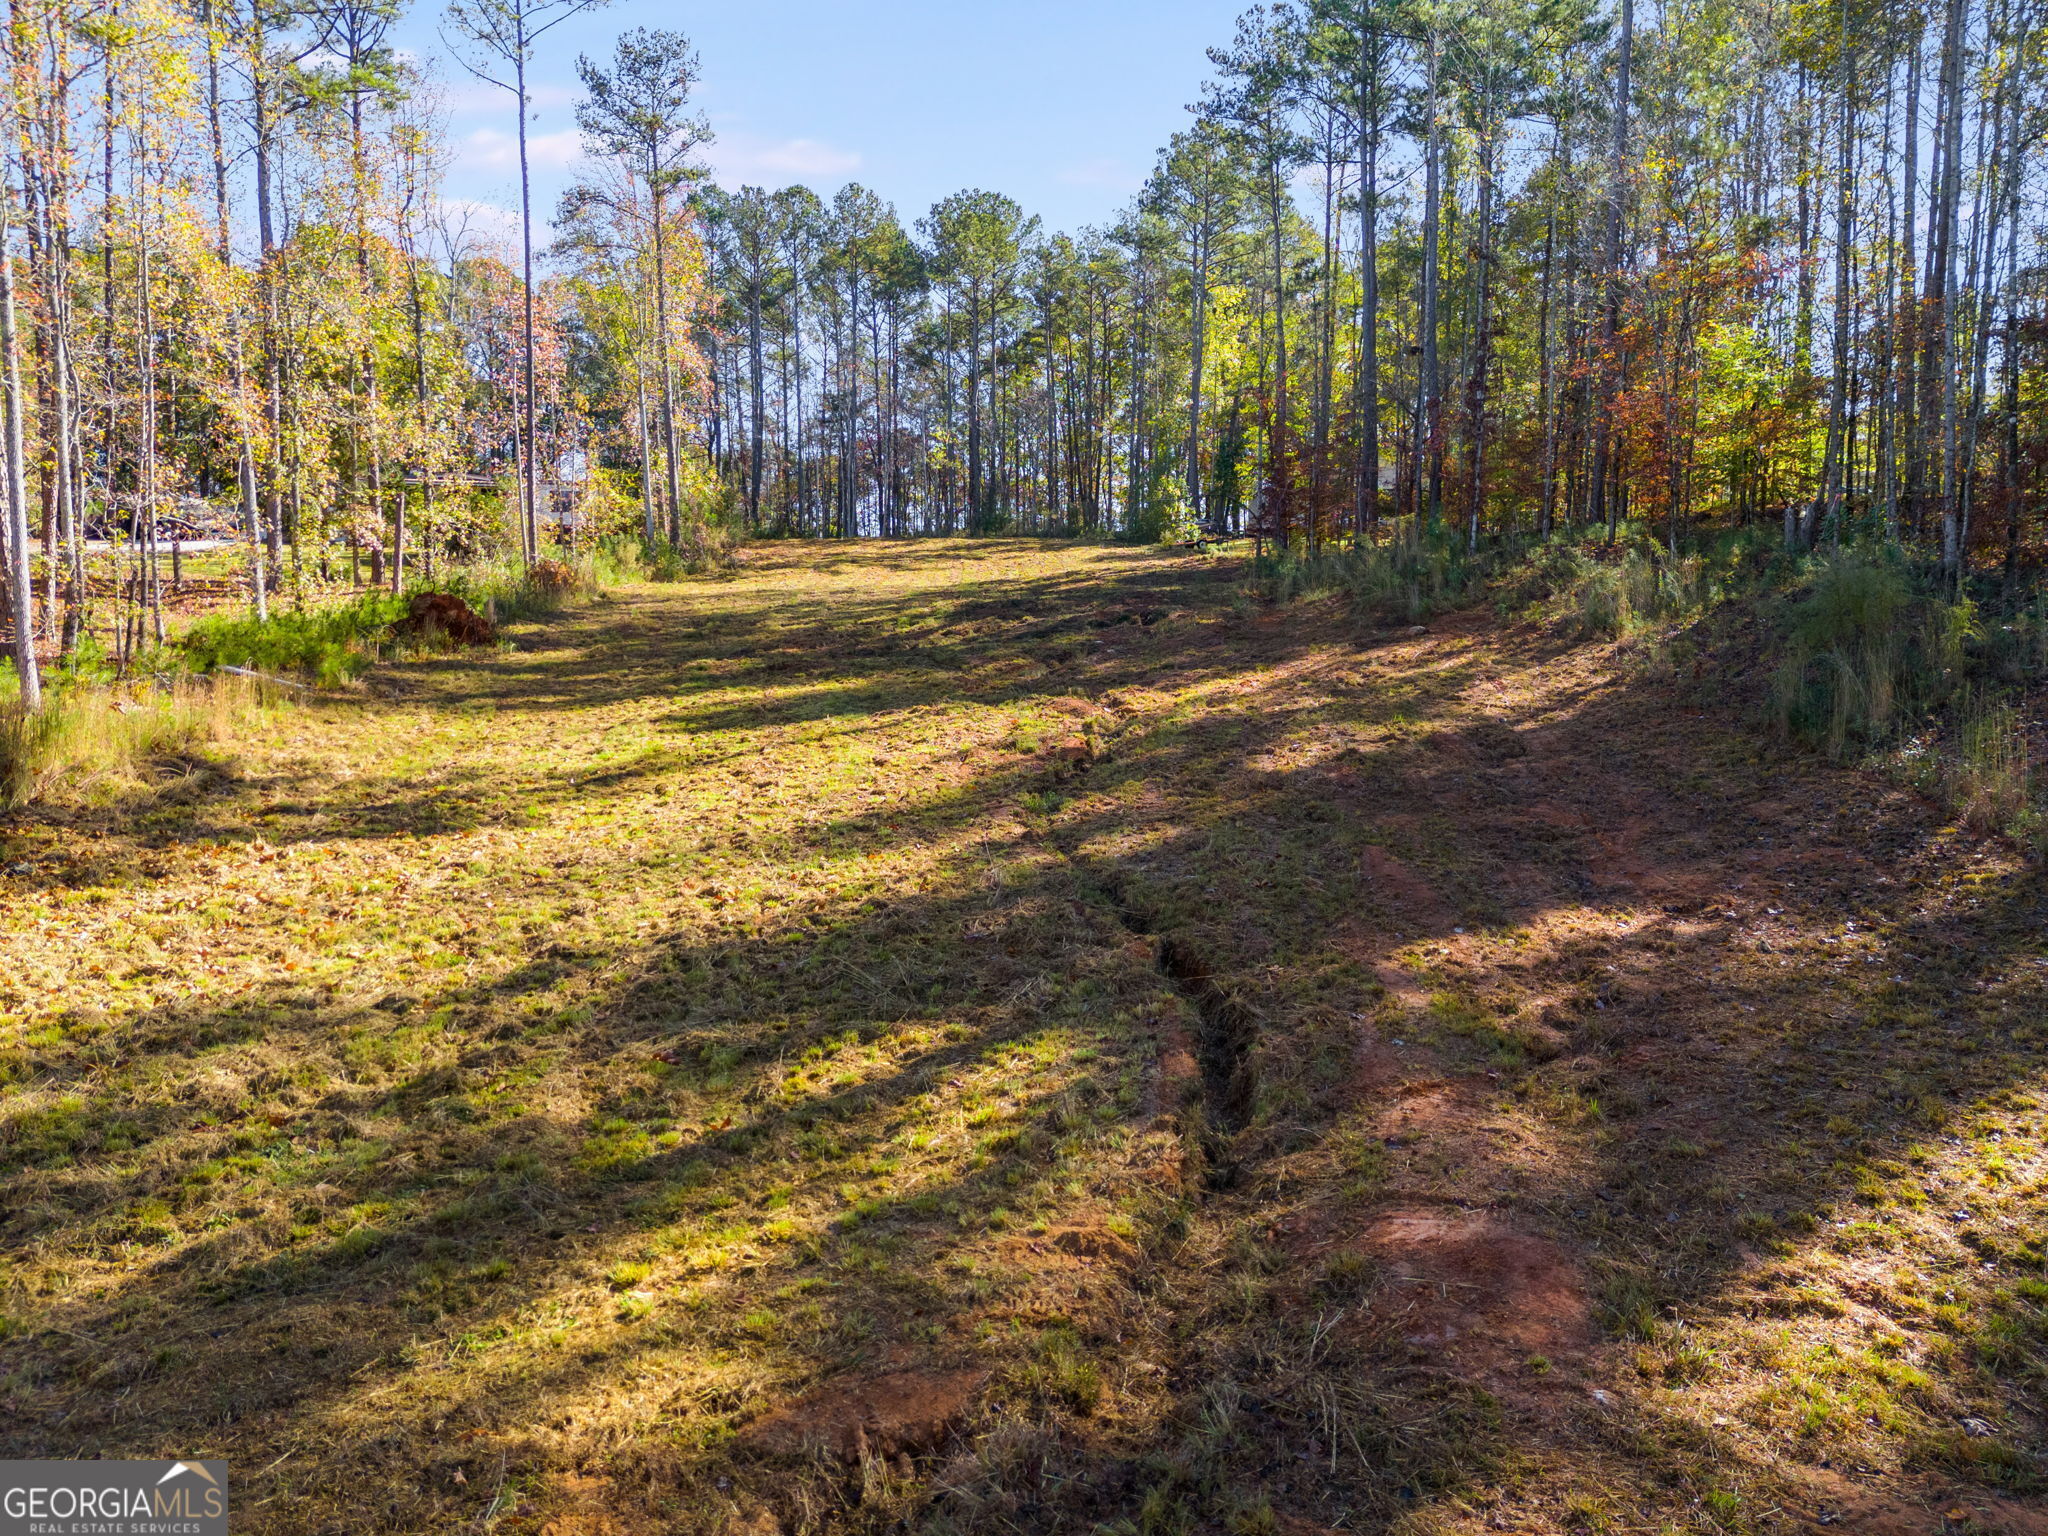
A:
1209,1074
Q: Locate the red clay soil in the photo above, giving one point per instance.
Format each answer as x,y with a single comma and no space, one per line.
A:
1836,1502
1077,1245
900,1413
1466,1286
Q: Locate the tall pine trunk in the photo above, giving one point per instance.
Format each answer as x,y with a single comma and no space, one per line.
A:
1605,508
1365,515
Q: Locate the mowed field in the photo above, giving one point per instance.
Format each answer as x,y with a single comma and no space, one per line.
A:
1005,1037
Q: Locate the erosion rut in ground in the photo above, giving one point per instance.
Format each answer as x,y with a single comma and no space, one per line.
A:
880,1043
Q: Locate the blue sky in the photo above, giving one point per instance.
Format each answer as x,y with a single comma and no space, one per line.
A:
1061,104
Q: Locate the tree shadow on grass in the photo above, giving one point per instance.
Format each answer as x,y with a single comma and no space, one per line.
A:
449,1306
831,637
318,1265
306,1197
1596,853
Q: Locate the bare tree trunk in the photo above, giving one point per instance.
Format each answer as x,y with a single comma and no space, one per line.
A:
1950,197
1198,337
1429,388
245,458
530,511
1475,384
1828,500
1546,389
1985,213
2010,411
1610,313
1905,406
668,380
145,324
647,530
273,361
756,402
43,181
1365,516
974,506
1278,204
419,390
20,585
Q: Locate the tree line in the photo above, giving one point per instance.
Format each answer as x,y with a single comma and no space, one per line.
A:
1497,268
1492,270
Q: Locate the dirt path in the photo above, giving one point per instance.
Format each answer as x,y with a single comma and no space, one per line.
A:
1004,1037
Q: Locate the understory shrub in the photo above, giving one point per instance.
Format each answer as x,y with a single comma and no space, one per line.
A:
94,725
1627,585
25,745
332,645
509,592
1874,661
1590,584
1643,588
1991,782
704,548
1882,664
1865,651
2017,649
1410,576
326,646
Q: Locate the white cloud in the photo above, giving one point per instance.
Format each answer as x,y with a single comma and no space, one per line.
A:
492,149
737,158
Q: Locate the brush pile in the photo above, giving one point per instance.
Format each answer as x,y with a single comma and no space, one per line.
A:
443,613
